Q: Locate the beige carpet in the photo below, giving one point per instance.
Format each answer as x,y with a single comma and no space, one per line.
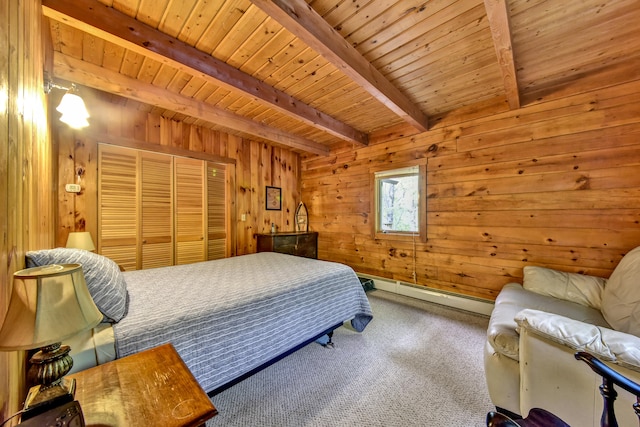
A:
416,364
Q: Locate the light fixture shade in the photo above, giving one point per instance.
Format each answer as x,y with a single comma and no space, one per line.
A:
48,305
80,240
74,112
74,122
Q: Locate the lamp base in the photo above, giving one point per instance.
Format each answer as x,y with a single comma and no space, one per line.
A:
40,398
50,364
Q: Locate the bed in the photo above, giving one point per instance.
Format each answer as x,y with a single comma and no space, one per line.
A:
226,318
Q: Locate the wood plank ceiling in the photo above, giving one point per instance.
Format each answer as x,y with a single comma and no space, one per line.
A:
308,75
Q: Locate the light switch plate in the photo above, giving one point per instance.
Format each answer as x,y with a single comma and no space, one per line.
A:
72,188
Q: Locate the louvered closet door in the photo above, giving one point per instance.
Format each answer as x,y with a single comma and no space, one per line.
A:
190,218
156,210
117,205
216,211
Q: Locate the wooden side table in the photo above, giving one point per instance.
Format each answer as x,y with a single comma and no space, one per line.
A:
150,388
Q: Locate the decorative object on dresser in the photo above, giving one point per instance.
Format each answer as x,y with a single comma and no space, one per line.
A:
302,218
48,305
80,240
300,243
118,392
273,196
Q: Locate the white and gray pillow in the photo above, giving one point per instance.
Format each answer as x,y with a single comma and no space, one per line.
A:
104,279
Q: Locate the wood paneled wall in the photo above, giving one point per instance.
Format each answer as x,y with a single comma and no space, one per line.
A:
26,167
257,165
556,183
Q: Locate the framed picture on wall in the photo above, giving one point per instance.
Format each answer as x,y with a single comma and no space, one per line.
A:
274,198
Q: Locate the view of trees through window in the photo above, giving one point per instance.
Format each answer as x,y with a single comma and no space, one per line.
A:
398,203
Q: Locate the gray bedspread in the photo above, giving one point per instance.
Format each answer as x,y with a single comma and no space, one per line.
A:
229,316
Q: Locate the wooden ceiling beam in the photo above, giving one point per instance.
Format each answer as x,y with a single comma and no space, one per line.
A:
111,25
498,15
91,75
305,23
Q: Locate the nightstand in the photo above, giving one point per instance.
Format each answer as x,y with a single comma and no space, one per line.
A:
150,388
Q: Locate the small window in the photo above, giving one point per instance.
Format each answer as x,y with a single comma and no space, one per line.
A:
399,210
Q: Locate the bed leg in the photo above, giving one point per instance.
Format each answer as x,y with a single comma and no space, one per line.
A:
330,342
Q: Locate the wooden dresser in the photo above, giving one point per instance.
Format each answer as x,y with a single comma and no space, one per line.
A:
303,243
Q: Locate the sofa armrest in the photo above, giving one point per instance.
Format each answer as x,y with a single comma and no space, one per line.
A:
551,377
605,343
581,288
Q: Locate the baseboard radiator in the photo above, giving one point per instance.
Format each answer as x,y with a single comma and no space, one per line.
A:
475,305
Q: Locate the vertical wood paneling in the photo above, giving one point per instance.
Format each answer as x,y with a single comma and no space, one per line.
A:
256,176
257,165
66,167
288,169
27,167
243,196
77,164
275,178
85,174
552,184
231,211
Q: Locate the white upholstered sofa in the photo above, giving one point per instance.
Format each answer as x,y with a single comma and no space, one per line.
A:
536,328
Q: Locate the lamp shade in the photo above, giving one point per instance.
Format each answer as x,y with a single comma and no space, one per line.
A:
80,240
48,305
74,112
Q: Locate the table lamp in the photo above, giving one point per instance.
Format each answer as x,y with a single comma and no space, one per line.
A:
80,240
48,305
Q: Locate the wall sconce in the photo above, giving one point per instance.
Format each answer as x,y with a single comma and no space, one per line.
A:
74,112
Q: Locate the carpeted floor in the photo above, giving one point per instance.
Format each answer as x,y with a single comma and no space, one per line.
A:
416,364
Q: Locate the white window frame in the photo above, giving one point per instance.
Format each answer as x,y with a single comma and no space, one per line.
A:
384,172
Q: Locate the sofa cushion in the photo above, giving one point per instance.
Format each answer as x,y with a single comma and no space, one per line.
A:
580,288
502,331
621,296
